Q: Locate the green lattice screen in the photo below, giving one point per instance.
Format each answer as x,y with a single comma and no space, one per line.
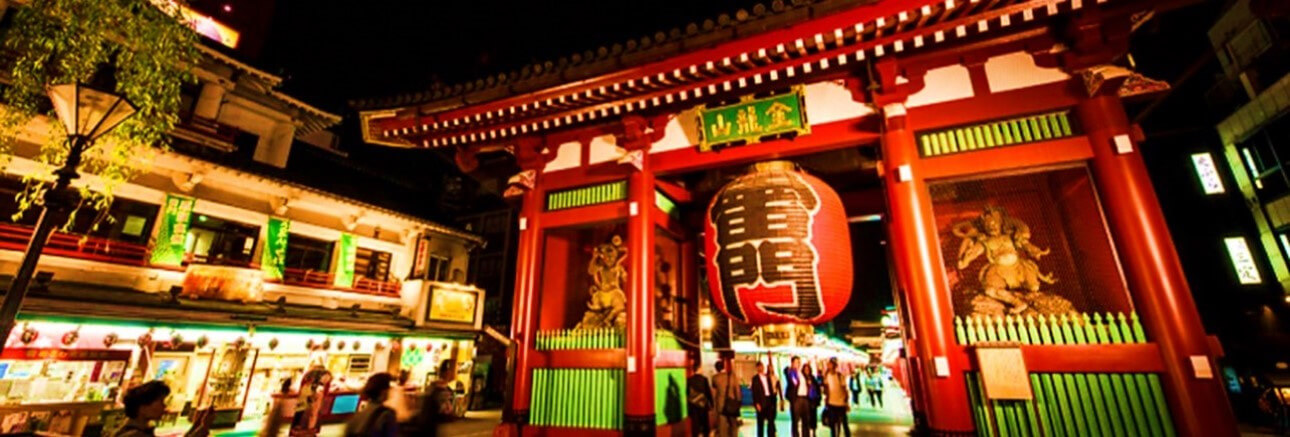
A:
601,338
1069,404
584,196
577,398
1009,132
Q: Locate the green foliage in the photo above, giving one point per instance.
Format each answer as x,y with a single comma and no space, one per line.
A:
146,50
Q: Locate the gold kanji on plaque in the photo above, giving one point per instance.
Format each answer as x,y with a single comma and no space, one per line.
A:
778,113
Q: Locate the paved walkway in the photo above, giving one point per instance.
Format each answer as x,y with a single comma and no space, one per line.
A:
865,420
894,419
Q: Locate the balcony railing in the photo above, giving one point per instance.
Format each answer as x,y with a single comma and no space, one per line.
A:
15,237
317,279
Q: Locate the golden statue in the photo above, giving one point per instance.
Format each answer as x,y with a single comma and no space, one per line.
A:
1011,280
608,304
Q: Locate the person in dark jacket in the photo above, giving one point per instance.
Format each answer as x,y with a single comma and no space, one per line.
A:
765,397
147,403
437,407
792,394
375,419
699,400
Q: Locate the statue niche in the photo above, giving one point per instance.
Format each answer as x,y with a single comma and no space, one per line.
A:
607,306
1010,280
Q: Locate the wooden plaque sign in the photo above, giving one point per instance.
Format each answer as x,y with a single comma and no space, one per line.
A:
1003,372
752,119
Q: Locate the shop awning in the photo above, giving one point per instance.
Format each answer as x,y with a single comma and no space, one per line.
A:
72,299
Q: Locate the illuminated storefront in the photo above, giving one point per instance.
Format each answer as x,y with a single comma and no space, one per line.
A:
69,366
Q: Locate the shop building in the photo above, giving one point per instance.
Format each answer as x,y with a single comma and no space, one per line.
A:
220,275
952,119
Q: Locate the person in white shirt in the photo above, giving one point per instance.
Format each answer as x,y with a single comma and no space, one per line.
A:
835,401
765,397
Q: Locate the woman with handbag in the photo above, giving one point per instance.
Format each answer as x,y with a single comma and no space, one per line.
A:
728,401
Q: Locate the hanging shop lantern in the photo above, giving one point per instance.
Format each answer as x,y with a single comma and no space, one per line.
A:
70,337
145,339
202,341
176,339
340,345
778,247
110,339
273,343
309,344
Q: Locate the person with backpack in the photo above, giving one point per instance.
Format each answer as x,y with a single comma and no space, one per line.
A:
699,400
728,400
437,406
375,419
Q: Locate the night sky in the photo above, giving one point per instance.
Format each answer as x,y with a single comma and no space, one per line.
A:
333,51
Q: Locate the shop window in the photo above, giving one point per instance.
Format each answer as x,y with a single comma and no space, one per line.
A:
372,264
1248,44
304,253
439,268
217,241
125,220
1032,243
1266,156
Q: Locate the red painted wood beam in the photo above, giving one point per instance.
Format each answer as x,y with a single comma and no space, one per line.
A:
1087,358
670,359
578,359
996,106
824,137
676,192
584,215
1065,150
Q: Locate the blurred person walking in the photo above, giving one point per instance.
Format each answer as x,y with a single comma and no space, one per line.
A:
836,406
728,400
375,419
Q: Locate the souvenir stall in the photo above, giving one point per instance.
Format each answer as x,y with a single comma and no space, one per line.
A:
1021,221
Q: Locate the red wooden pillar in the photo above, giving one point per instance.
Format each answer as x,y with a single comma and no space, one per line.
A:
524,312
916,252
640,299
1151,266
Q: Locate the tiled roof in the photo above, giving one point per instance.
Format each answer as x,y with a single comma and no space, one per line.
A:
613,57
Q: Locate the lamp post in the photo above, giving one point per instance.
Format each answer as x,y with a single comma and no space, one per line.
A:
87,114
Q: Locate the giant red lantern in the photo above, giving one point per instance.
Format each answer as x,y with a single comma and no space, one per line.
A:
778,248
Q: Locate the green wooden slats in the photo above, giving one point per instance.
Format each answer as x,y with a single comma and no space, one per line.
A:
1039,127
667,340
603,338
1068,404
666,204
585,196
577,398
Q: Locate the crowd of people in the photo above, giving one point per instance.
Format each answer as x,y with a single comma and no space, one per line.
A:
385,412
715,405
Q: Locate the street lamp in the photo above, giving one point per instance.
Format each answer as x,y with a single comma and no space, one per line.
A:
86,114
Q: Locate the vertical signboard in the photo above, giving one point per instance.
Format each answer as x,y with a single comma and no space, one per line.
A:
273,259
347,255
169,246
421,260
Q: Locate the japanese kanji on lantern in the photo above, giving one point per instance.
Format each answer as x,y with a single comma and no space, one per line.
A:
778,248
